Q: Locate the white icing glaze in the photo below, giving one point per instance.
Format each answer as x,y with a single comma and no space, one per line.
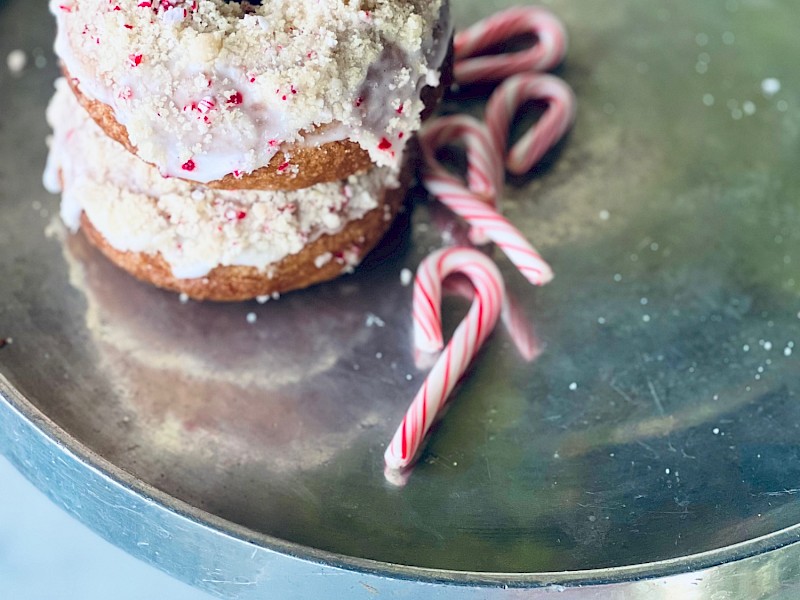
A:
194,228
207,87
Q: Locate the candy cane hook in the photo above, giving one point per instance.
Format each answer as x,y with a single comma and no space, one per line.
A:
547,52
467,340
504,103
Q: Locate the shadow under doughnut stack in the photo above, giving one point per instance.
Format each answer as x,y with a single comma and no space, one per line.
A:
231,150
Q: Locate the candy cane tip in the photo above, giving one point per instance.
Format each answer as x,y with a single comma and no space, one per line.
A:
397,477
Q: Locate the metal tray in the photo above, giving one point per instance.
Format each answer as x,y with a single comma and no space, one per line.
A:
651,449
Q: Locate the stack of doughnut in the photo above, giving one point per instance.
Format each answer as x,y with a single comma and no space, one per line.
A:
230,150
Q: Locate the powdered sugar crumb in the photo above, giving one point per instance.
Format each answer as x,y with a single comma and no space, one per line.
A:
16,61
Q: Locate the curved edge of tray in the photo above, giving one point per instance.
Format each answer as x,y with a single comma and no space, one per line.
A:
231,561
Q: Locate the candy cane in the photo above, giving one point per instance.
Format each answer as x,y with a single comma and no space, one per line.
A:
547,52
427,321
471,205
484,165
506,100
469,336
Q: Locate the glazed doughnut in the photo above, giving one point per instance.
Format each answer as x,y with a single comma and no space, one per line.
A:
279,95
210,244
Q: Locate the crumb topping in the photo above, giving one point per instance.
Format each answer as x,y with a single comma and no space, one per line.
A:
223,85
194,228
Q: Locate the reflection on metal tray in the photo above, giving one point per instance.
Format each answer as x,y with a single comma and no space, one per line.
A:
655,435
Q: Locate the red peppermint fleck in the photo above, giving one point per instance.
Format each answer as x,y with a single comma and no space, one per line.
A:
384,144
291,88
145,5
188,165
273,143
241,215
283,97
116,8
359,101
206,104
400,135
237,174
235,99
125,93
135,59
283,167
127,26
399,109
65,8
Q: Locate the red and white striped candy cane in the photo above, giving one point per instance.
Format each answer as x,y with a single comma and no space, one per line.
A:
469,336
476,209
485,176
428,321
547,52
506,100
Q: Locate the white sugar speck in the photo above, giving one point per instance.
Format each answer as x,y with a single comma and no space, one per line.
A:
728,38
183,298
405,277
666,470
749,108
604,215
643,301
379,355
701,39
708,99
618,278
770,86
251,317
715,431
573,386
374,321
262,299
409,377
746,348
767,345
787,351
646,318
16,61
601,320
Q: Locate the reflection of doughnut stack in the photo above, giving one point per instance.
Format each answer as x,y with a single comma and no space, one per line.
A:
274,133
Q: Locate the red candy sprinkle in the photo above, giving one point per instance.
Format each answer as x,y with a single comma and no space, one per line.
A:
384,144
235,99
188,165
359,101
241,215
283,167
136,60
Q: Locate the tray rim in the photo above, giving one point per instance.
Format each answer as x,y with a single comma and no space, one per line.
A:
53,435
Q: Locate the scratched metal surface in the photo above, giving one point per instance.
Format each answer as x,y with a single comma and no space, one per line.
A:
659,422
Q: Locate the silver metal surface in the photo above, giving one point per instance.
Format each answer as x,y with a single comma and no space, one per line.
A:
651,449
